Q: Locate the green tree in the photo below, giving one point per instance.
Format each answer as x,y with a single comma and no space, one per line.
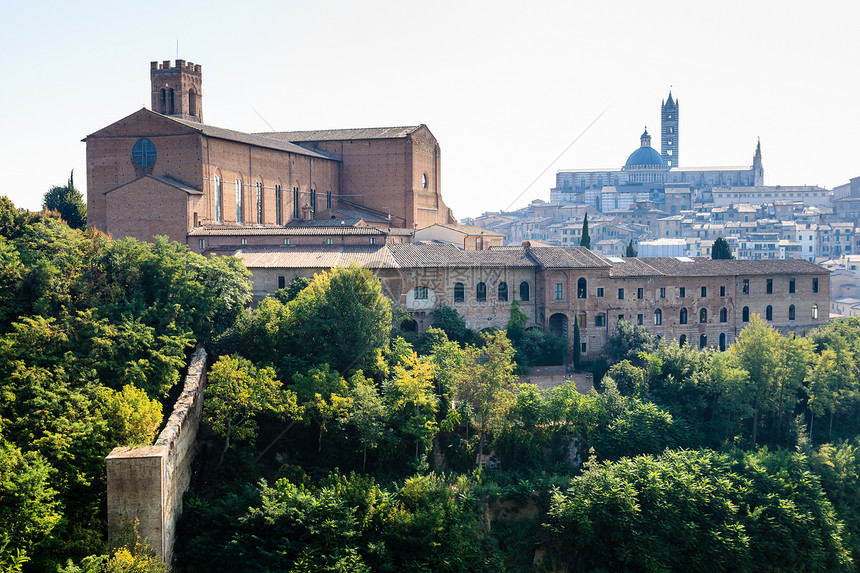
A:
409,395
485,381
293,289
449,320
367,416
68,202
577,344
631,250
721,249
236,393
585,240
628,340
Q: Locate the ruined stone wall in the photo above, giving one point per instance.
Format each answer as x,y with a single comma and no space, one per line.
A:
146,483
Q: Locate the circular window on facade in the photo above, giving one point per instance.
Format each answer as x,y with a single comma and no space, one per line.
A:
143,153
424,180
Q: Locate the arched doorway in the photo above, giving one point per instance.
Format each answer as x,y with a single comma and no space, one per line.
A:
558,325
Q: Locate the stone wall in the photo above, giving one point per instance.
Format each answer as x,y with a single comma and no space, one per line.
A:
146,483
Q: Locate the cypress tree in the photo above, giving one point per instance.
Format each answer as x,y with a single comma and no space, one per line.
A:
631,250
721,249
585,241
577,346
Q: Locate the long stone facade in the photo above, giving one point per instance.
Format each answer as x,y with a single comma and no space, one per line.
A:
146,483
691,300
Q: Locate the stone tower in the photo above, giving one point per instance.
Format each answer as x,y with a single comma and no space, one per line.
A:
758,168
669,113
177,90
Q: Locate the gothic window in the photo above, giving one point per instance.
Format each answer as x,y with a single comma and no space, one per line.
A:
313,201
658,317
703,340
722,342
481,292
503,292
745,314
768,313
683,317
259,203
459,292
192,103
524,291
703,315
278,201
791,312
217,199
814,312
170,103
296,206
238,201
328,200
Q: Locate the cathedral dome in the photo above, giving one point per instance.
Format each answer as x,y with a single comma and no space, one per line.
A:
644,156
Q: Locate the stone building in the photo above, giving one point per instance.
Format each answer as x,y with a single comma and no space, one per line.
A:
164,172
694,300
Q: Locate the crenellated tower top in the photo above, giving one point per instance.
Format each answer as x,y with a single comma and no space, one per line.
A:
177,90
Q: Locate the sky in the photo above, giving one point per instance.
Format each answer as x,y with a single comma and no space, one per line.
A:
513,91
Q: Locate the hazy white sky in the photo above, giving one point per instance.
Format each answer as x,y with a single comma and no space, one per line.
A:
504,86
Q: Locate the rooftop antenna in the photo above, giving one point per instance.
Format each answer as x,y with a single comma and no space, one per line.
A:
264,119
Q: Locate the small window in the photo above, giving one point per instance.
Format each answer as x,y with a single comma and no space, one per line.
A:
524,291
372,240
703,341
791,288
599,320
791,312
662,292
746,286
459,292
722,291
703,316
815,284
658,317
768,288
640,293
683,316
704,292
621,294
558,292
582,318
745,314
259,203
724,315
481,292
421,293
282,282
287,241
722,342
329,241
503,292
599,292
244,241
582,288
814,312
584,347
768,313
682,292
640,319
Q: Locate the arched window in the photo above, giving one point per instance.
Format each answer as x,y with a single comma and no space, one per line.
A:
703,315
768,313
459,292
814,312
481,292
722,342
259,202
683,340
192,103
683,316
238,201
503,292
791,312
745,314
217,199
296,206
582,288
163,107
328,199
703,340
170,103
724,315
278,204
524,291
658,317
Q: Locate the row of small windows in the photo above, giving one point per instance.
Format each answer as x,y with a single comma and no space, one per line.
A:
582,289
259,202
683,316
481,292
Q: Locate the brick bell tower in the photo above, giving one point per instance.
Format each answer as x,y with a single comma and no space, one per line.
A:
177,91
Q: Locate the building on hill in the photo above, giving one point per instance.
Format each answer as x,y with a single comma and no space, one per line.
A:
165,172
694,300
648,173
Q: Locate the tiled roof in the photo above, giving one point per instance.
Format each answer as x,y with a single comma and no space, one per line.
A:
340,134
316,256
568,258
705,267
249,138
410,255
467,229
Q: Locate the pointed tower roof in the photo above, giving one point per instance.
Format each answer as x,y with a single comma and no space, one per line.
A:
670,101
